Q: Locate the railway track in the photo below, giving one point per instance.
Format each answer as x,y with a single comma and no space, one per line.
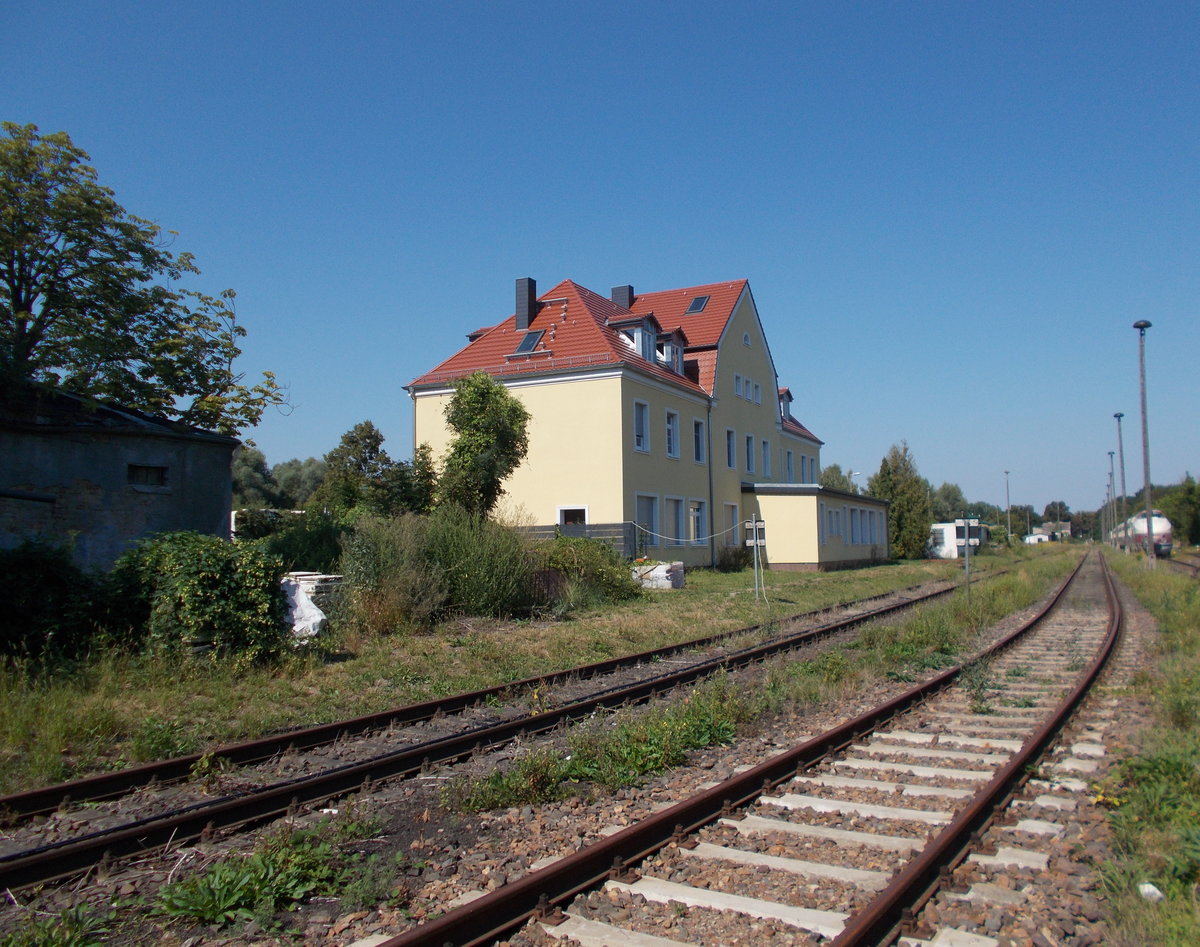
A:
403,742
1185,565
845,836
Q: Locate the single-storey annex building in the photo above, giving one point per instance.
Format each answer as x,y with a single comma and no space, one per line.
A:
657,422
96,478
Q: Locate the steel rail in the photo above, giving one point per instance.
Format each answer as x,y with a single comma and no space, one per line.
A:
46,799
540,892
880,921
59,859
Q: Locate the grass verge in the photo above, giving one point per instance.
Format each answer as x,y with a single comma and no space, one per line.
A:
622,748
114,710
1153,797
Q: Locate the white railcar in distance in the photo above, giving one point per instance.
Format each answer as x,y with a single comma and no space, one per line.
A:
1133,533
944,537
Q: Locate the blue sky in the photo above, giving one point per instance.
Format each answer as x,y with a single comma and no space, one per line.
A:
950,213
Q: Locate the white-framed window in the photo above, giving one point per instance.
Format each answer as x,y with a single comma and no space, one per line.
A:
730,449
641,426
757,393
676,529
699,441
821,527
766,458
573,515
737,385
732,529
647,519
814,470
789,466
698,515
672,433
746,339
749,453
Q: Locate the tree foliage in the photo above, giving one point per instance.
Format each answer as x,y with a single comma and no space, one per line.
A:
833,478
361,478
1056,511
254,487
298,480
89,297
1181,505
949,502
490,443
909,513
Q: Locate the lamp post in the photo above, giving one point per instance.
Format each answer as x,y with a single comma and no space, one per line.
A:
1142,325
1112,493
1007,508
1121,457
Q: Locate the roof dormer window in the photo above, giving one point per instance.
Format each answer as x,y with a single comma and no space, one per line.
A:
529,343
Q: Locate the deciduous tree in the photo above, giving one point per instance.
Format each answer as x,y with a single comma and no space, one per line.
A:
90,297
298,479
490,443
907,492
834,478
253,486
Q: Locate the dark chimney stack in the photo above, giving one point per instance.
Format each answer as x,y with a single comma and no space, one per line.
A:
623,296
526,302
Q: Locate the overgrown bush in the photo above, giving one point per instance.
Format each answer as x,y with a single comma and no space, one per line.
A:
595,572
488,568
308,542
389,584
186,590
734,558
48,602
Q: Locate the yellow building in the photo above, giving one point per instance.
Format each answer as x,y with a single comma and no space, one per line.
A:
656,420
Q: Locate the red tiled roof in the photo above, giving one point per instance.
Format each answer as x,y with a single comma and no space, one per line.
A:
703,328
792,426
576,336
574,321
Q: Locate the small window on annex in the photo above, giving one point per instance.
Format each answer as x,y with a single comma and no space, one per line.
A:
146,476
572,516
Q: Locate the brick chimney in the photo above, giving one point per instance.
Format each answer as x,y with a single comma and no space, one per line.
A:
526,302
623,296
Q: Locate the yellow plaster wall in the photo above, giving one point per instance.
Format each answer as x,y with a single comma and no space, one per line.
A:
575,438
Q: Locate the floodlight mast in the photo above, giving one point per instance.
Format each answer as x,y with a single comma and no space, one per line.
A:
1142,325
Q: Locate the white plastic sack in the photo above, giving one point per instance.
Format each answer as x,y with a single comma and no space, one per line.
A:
306,619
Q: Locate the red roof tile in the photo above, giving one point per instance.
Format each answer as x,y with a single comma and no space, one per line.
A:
575,335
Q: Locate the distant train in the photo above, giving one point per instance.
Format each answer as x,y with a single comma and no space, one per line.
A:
1133,532
944,537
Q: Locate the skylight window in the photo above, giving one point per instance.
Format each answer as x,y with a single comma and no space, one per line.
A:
529,343
697,305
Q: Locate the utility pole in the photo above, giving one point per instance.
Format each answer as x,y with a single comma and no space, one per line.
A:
1142,325
1124,491
1008,507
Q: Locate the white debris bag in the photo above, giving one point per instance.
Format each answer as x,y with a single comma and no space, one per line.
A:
306,619
1150,892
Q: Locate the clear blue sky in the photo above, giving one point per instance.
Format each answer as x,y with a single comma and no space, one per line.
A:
950,213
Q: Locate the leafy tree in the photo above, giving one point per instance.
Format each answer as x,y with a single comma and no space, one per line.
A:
833,478
1181,505
89,298
910,514
1024,519
361,478
253,485
948,502
1056,512
490,443
298,479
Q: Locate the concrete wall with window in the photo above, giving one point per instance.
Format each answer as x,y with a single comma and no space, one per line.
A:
98,490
